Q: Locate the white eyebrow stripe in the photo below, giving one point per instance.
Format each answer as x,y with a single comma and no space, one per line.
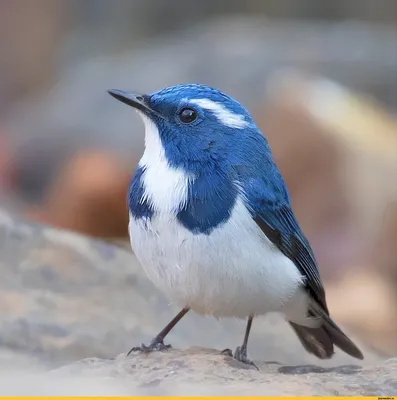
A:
224,115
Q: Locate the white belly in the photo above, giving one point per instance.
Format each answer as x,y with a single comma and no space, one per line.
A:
233,272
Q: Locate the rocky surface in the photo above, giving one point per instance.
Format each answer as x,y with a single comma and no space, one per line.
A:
65,297
199,371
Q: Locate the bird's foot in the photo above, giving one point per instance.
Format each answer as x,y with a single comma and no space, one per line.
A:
241,355
227,352
155,345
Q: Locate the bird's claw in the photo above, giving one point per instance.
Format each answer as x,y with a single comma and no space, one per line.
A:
241,355
155,345
227,352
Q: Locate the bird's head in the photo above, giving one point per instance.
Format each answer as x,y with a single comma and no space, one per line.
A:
194,125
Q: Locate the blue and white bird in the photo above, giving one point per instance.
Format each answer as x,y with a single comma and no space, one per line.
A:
211,220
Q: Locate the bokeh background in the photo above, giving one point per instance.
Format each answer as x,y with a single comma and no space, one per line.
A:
320,78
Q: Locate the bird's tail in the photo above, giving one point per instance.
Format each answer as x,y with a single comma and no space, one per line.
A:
320,341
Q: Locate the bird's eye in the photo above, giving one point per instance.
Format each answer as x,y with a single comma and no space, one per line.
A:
187,115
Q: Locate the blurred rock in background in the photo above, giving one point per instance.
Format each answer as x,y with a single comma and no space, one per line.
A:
88,196
30,33
320,79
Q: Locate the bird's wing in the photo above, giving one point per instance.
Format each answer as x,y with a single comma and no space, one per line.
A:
272,212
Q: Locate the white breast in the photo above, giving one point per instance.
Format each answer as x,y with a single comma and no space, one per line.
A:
165,188
233,272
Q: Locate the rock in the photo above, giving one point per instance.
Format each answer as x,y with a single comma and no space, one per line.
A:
88,196
64,296
384,254
360,294
204,371
200,371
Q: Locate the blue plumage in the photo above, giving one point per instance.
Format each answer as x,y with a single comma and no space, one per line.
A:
210,203
138,206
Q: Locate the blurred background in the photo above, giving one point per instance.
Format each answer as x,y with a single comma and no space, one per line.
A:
320,78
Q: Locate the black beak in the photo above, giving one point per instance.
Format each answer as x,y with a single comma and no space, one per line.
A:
138,101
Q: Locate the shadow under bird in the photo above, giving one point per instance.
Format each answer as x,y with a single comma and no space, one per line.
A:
211,220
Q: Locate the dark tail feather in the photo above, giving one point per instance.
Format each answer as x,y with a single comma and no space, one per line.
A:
320,341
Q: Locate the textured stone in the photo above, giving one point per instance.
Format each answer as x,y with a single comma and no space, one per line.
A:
203,371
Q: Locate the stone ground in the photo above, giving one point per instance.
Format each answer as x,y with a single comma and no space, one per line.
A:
71,306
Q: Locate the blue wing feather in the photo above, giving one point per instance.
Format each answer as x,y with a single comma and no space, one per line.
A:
270,208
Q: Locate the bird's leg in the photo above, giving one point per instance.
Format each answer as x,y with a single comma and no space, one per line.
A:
157,344
241,351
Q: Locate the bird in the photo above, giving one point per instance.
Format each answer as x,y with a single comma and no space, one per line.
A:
211,221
